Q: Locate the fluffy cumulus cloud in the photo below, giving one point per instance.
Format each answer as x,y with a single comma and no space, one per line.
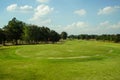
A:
105,27
80,12
41,11
109,25
74,28
16,8
108,10
43,1
12,7
26,8
77,25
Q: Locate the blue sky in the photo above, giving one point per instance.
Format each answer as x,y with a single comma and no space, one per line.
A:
72,16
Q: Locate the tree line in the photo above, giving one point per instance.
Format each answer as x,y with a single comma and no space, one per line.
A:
103,37
18,32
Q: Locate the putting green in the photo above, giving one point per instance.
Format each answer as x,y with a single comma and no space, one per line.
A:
71,60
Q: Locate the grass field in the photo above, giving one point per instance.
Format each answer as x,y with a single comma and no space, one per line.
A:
71,60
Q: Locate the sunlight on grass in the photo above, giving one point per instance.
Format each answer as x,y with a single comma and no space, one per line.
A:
73,60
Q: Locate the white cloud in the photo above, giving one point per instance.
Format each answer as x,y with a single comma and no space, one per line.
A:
76,28
80,12
76,25
108,10
16,8
105,23
25,8
41,11
42,22
107,27
12,7
43,1
116,26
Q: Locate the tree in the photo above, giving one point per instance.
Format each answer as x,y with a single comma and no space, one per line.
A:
2,37
31,34
45,32
14,30
54,36
117,38
17,30
64,35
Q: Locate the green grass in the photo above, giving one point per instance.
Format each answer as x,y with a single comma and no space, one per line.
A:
72,60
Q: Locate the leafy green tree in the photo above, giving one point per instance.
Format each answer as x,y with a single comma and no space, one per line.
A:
31,33
2,37
64,35
117,38
14,30
25,35
45,32
54,36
